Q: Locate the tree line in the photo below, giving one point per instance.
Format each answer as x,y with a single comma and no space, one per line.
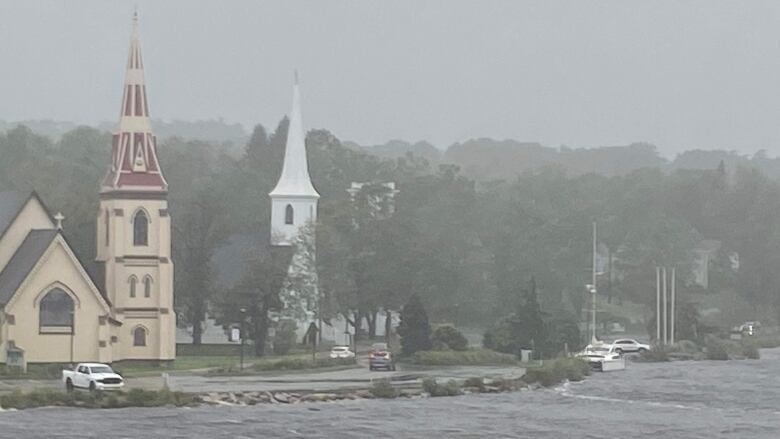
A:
482,254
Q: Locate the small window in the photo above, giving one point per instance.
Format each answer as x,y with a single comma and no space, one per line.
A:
140,229
148,286
139,336
289,214
133,281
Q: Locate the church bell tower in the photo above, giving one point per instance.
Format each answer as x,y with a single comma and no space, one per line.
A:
294,199
134,228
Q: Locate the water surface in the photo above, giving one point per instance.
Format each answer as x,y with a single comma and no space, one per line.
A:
739,399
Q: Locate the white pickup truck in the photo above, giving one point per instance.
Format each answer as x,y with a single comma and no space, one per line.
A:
92,376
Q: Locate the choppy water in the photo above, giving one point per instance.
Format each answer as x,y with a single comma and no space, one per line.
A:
673,400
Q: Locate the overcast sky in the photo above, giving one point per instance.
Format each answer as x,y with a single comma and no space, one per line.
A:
679,74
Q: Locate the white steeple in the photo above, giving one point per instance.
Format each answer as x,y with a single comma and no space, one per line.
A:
294,199
295,180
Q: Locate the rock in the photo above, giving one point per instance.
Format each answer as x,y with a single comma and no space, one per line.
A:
282,397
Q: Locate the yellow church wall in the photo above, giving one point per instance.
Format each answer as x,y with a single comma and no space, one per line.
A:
57,269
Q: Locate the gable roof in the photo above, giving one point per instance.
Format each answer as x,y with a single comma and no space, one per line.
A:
11,202
23,261
11,205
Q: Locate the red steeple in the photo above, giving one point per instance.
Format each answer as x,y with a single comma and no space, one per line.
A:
134,165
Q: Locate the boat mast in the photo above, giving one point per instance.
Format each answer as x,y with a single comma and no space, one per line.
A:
593,289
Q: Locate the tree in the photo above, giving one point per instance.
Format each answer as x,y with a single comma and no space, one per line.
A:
198,231
415,331
257,295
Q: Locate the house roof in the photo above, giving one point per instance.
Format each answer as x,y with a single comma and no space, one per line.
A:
23,261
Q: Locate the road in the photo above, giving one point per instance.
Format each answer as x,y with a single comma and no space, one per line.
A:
331,380
290,381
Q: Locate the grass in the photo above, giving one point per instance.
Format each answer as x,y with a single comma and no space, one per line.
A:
470,357
103,400
287,363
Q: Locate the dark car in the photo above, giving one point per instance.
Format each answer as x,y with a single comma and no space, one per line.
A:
379,357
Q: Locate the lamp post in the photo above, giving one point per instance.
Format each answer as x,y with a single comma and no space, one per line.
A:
72,334
242,336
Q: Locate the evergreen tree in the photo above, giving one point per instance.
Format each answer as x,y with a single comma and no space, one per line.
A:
415,330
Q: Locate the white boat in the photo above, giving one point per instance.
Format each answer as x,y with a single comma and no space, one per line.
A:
603,357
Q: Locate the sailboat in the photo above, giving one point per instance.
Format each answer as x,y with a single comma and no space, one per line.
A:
600,355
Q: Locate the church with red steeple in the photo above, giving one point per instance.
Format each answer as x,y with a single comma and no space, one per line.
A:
54,307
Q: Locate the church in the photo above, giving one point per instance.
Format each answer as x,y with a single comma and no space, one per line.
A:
56,307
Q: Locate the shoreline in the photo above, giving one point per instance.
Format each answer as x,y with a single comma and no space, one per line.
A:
551,373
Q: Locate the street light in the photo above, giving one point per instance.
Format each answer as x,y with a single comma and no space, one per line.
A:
241,335
72,331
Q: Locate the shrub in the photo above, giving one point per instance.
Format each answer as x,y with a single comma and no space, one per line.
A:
285,337
433,388
475,382
556,371
476,357
414,329
657,353
133,398
300,363
383,389
716,349
447,337
750,350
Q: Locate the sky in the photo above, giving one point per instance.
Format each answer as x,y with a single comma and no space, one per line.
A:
678,74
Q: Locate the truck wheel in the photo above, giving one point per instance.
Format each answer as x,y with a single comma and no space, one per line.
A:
92,386
69,385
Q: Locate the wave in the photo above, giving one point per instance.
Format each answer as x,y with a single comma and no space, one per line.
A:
565,390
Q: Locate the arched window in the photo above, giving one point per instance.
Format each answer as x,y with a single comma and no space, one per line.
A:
140,229
147,286
139,336
133,282
288,214
56,311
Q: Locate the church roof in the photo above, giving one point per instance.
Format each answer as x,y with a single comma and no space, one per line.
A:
134,164
11,203
23,261
295,180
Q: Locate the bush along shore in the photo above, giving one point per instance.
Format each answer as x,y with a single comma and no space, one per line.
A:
712,348
551,373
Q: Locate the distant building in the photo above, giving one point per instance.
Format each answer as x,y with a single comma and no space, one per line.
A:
377,198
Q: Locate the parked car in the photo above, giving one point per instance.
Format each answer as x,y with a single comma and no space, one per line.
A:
749,328
92,376
628,345
379,357
341,352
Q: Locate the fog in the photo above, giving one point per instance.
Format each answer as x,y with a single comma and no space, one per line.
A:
681,75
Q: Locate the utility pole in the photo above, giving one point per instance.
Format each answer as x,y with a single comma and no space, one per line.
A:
658,304
243,337
664,303
671,337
